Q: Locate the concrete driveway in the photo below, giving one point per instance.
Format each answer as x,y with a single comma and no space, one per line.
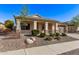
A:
74,35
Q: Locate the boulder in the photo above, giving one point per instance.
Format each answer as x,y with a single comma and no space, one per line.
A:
33,38
29,41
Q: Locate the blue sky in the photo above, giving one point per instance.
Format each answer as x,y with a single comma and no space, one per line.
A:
60,12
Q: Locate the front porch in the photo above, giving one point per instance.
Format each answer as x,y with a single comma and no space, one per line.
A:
27,26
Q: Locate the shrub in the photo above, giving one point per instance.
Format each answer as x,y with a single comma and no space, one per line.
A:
51,34
9,24
57,36
35,32
48,38
7,30
63,34
42,35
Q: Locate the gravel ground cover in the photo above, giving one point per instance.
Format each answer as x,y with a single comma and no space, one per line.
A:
15,44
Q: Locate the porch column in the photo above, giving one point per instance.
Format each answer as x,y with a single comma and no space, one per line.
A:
77,29
57,29
53,28
35,25
18,26
46,28
66,29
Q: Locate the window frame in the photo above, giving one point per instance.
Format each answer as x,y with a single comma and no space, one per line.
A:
25,27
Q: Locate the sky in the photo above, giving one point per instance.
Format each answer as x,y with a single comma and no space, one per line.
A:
59,12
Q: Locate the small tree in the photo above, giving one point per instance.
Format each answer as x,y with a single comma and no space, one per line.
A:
75,20
24,11
0,22
9,24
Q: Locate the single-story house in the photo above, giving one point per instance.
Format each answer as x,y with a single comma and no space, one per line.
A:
2,27
36,22
72,28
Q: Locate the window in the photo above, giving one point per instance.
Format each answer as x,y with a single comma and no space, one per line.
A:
25,26
43,27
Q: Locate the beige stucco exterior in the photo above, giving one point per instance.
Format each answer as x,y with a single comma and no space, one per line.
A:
38,23
2,26
72,28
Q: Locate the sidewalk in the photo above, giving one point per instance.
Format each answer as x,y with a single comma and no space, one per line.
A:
17,52
46,50
54,48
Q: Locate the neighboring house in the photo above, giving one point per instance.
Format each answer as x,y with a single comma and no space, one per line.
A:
71,28
36,22
2,27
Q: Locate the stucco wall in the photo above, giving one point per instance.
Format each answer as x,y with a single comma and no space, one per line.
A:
72,28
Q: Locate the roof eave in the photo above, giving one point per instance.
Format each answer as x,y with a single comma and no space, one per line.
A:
43,19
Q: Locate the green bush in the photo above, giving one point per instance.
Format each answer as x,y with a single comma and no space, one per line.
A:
51,34
48,38
42,35
63,34
9,24
57,36
35,32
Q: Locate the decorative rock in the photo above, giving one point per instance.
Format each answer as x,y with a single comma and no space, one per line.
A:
38,34
33,38
29,41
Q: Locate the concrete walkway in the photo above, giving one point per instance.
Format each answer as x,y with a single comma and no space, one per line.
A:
17,52
46,50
